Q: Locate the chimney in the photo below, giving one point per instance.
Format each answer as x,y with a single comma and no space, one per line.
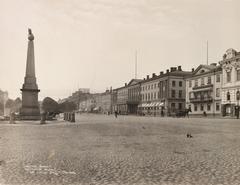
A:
167,71
161,72
147,77
172,69
125,84
153,75
179,68
144,78
192,69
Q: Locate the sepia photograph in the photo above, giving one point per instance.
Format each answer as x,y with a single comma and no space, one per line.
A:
119,92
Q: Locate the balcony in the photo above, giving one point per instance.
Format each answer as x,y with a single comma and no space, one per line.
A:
201,100
207,87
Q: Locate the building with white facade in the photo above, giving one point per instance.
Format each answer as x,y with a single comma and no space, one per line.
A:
203,90
231,82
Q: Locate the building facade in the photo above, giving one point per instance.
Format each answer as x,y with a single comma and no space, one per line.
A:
134,96
203,90
103,102
164,94
231,82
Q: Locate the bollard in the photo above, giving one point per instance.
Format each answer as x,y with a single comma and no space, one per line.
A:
64,116
73,117
43,118
12,118
68,116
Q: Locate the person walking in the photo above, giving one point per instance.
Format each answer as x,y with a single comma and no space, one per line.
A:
115,113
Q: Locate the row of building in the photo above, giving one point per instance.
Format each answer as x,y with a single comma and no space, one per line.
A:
213,89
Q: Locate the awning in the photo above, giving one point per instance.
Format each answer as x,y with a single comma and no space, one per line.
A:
96,108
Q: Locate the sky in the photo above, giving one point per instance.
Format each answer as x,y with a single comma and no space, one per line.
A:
92,43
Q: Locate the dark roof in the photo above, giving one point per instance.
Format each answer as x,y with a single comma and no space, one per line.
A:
173,73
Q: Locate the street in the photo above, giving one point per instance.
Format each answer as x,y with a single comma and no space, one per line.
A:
102,149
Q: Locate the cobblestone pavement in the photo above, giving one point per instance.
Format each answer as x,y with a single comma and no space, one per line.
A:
99,149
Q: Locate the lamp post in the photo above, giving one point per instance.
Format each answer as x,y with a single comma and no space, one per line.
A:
237,109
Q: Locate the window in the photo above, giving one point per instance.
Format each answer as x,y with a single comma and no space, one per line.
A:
151,96
228,96
208,107
180,83
196,82
173,93
146,98
217,107
155,86
238,75
180,94
158,95
217,92
218,78
173,105
202,81
209,80
173,83
155,94
190,83
148,87
180,106
201,107
195,107
228,76
238,95
152,86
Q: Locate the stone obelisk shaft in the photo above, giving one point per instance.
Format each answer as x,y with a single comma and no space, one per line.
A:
30,107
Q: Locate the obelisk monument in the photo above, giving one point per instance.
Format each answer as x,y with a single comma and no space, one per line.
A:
30,106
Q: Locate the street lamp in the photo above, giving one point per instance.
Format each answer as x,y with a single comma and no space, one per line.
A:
238,97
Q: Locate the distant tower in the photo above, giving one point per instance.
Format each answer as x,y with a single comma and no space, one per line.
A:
30,107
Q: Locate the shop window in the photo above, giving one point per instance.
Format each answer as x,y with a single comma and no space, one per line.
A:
217,107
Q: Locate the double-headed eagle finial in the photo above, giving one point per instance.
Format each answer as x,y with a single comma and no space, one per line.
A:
30,35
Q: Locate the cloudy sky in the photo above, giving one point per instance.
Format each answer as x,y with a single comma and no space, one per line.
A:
92,43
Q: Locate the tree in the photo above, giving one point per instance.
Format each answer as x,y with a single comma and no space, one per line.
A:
49,105
67,106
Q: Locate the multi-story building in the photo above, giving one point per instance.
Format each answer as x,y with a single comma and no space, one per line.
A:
127,97
164,93
79,96
231,82
203,90
134,96
150,95
122,97
104,102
